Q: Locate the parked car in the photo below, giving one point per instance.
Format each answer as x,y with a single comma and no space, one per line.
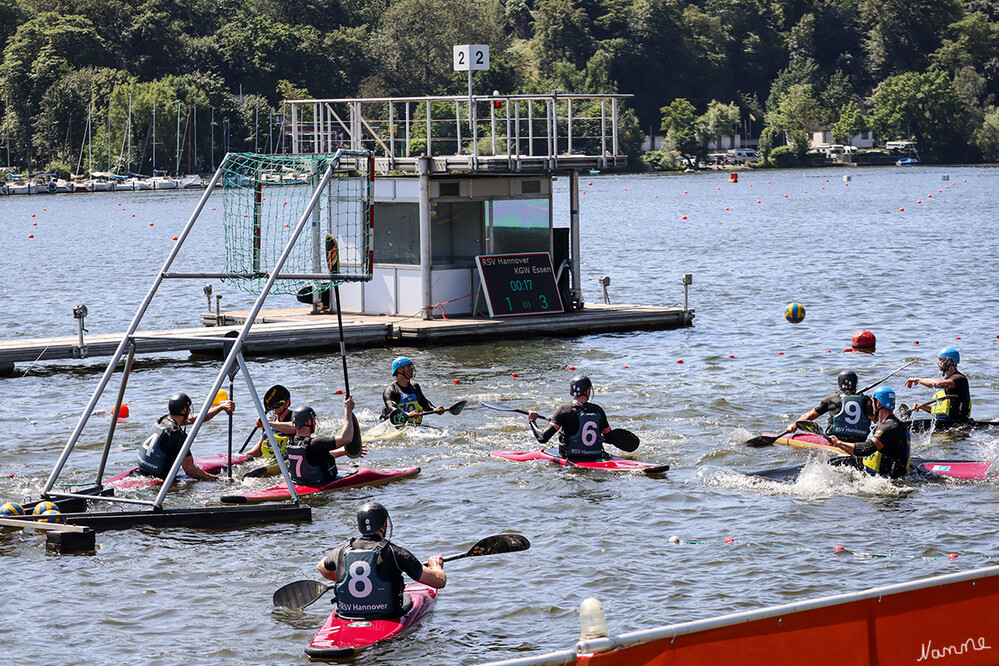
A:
744,156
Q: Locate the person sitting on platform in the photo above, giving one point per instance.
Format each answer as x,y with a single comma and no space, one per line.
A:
848,411
160,449
582,425
312,460
403,398
277,401
953,399
886,452
368,571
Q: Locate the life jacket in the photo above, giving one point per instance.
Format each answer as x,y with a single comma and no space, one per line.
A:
266,450
587,443
360,592
850,423
153,458
893,468
950,406
305,473
408,402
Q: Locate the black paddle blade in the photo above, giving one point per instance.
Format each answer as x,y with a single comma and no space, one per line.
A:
300,594
623,439
457,407
762,440
354,447
398,418
810,426
500,543
276,395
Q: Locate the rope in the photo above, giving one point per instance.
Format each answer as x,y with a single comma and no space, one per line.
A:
442,304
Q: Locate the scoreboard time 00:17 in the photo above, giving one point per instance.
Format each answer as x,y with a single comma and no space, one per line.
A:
519,284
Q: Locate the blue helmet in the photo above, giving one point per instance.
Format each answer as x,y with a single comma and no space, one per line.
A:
400,363
886,397
950,354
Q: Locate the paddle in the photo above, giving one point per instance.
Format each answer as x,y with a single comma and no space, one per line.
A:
304,593
769,440
399,418
247,442
353,448
618,437
881,381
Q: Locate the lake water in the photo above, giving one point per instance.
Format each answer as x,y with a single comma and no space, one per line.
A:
845,250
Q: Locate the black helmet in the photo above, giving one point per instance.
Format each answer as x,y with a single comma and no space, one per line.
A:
579,385
301,416
371,517
848,381
276,396
178,403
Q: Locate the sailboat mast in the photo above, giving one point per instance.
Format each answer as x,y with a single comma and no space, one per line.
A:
177,168
128,134
154,137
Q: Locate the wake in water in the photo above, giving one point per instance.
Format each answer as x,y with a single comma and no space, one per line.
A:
817,479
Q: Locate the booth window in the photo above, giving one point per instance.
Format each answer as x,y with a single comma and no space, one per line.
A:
397,233
456,232
521,226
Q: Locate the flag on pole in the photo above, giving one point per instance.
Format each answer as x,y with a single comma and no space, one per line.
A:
752,117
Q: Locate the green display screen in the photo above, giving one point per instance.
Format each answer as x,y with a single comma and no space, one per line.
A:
519,284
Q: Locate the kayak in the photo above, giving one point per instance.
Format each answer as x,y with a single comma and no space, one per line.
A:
805,440
212,464
609,464
386,430
966,470
948,425
362,476
264,467
341,638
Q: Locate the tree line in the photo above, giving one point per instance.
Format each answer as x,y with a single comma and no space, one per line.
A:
214,71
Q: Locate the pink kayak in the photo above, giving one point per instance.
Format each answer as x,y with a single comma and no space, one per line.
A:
806,440
135,479
610,463
341,638
362,476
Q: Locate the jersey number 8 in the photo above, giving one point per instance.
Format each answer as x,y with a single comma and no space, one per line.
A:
360,582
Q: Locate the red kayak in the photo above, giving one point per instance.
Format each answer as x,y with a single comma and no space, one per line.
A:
341,638
362,476
806,440
609,464
135,479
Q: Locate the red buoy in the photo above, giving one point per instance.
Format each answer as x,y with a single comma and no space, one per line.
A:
733,178
864,341
122,412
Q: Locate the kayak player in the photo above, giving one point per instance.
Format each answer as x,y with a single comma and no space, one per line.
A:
886,452
582,425
160,449
405,395
368,571
848,411
953,399
280,408
312,460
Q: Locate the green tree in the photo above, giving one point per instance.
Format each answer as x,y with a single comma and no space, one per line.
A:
851,122
987,137
12,14
719,120
797,110
562,33
683,131
416,38
903,33
42,50
925,106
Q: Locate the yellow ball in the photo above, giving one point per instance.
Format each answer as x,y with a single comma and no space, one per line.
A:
794,313
53,516
42,507
11,509
220,397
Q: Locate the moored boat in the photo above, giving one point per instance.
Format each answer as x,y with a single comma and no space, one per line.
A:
342,638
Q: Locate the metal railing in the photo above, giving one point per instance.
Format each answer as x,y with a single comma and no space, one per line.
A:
511,132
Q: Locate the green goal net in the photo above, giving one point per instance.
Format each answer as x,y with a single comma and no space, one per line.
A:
265,196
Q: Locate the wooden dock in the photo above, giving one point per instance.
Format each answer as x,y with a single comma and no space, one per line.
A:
294,330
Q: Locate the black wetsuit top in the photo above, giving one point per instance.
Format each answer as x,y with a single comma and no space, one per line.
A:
566,417
832,405
393,395
393,562
893,460
960,405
